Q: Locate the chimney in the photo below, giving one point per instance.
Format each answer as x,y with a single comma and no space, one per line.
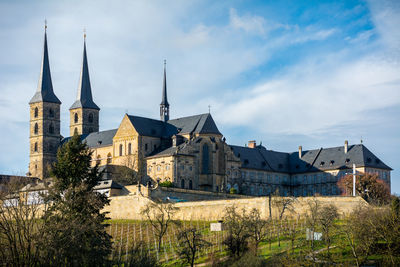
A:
346,144
252,144
300,151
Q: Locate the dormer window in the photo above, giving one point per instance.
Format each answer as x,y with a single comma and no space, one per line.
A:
347,160
332,161
369,160
322,163
378,161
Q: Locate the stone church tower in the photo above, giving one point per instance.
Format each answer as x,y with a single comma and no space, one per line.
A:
84,113
44,137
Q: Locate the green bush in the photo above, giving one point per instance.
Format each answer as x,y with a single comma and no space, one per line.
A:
166,184
233,190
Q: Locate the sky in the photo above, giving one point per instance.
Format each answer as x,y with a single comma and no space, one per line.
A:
284,73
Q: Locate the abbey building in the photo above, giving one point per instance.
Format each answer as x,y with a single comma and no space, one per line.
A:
190,152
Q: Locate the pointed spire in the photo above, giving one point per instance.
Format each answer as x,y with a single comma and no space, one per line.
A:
164,106
84,98
45,91
164,100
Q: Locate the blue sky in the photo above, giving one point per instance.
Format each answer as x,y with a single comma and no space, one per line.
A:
287,73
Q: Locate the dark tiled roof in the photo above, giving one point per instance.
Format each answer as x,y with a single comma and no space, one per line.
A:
261,159
311,161
103,138
84,99
45,91
334,158
202,124
150,127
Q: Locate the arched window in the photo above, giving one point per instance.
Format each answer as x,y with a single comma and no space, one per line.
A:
36,112
51,128
129,148
51,113
120,149
90,118
190,184
75,131
109,158
205,159
35,147
76,118
36,129
182,183
98,161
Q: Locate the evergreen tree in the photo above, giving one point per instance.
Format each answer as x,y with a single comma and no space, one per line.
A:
75,233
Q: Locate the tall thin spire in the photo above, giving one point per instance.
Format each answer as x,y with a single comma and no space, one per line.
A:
84,98
164,100
44,92
164,106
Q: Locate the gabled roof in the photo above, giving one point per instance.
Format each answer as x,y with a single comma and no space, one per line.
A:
260,158
335,158
200,124
84,97
151,127
44,92
316,160
96,139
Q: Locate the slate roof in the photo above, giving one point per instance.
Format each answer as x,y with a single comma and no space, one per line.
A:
316,160
202,124
261,159
96,139
44,92
84,97
151,127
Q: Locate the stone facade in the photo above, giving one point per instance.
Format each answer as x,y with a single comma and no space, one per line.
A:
83,121
44,137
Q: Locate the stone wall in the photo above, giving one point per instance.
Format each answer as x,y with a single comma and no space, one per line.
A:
128,207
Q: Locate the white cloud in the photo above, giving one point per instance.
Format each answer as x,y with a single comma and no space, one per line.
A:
248,23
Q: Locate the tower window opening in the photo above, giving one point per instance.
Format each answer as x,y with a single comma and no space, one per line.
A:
51,113
51,128
76,118
35,147
145,147
120,149
90,118
36,112
36,129
129,148
75,131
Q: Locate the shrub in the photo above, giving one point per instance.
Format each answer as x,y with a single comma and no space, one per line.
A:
233,191
166,184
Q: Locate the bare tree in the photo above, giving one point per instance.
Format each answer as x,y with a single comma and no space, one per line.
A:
159,215
283,204
312,217
258,228
359,236
190,242
20,229
326,218
238,234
